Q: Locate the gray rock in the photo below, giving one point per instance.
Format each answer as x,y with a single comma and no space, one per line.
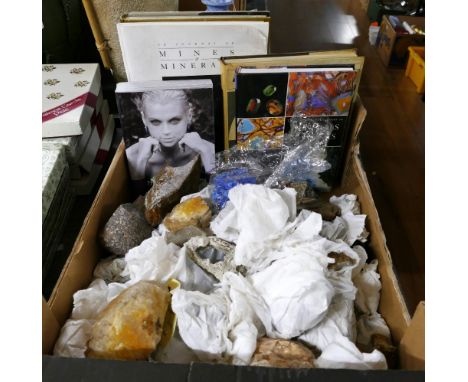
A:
126,229
183,235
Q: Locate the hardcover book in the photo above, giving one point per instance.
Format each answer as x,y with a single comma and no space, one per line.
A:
174,47
69,98
166,122
103,15
262,93
266,99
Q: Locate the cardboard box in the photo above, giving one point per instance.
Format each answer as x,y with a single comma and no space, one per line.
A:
78,270
392,46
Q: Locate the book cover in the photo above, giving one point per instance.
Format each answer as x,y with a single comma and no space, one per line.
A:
70,93
103,16
230,67
266,99
166,122
162,49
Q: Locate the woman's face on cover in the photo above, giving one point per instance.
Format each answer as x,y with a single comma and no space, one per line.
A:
166,122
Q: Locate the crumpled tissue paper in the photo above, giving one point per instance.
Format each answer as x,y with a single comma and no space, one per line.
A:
296,291
350,226
343,354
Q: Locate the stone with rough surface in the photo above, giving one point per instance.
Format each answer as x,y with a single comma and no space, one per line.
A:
169,185
126,228
282,353
130,327
191,212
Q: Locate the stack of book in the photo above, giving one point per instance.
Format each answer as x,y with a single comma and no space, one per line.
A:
75,116
77,133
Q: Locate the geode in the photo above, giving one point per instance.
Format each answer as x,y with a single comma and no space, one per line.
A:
126,228
169,185
214,255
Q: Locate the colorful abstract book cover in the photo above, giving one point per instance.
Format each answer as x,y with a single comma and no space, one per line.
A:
267,99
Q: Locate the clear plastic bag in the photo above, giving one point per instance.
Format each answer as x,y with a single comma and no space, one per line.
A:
304,153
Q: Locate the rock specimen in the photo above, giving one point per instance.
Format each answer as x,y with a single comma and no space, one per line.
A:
341,260
192,212
383,343
169,185
130,327
126,228
212,254
328,210
110,270
282,353
183,235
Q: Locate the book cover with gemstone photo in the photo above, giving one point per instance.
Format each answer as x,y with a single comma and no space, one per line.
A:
166,123
267,98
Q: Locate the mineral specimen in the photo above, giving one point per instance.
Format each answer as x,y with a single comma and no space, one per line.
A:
183,235
282,353
130,327
169,185
328,210
274,107
269,90
212,254
253,105
192,212
383,343
125,229
341,260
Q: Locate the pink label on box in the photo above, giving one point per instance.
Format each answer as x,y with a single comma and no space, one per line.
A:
88,99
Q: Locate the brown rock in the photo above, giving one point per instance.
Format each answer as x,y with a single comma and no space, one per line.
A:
328,210
383,343
282,353
130,327
126,228
192,212
169,185
341,260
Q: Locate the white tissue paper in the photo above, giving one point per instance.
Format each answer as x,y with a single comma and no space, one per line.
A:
367,326
204,193
296,291
340,321
73,338
249,317
87,304
343,354
263,208
153,259
298,236
347,203
350,226
202,320
368,284
110,270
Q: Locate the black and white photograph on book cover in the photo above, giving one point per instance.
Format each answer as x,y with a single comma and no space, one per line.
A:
166,127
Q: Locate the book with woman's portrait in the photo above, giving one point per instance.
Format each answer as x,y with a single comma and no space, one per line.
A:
166,123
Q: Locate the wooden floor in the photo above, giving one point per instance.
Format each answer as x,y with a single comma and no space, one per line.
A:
392,139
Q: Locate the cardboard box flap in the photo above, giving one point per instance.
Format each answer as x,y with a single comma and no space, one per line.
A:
78,270
412,346
50,328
